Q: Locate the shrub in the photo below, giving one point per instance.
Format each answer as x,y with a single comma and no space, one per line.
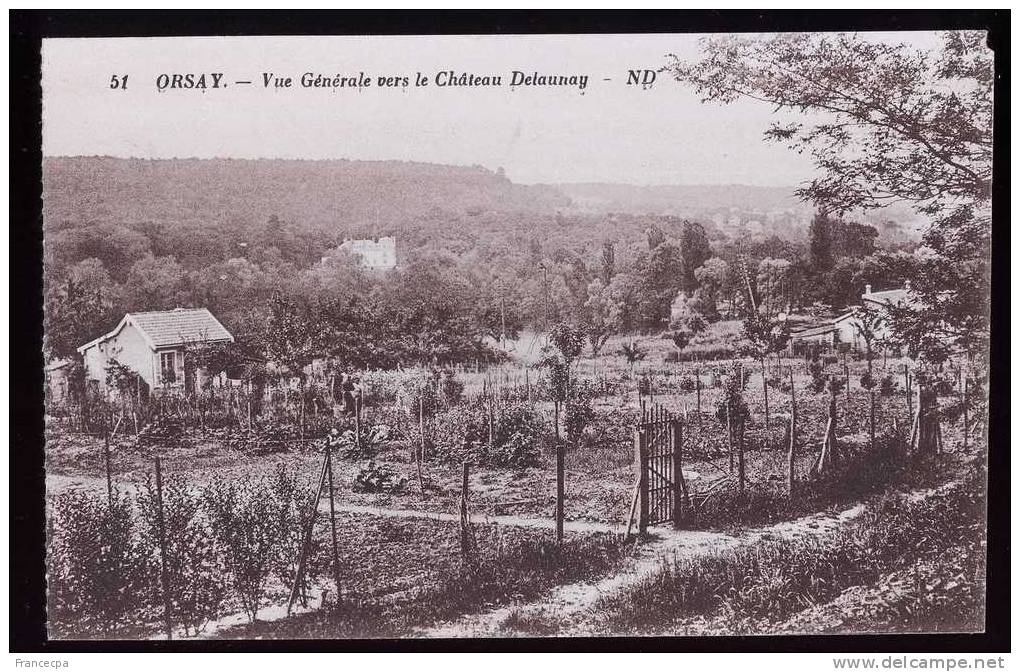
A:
292,495
818,380
887,386
462,433
99,571
752,586
245,521
195,584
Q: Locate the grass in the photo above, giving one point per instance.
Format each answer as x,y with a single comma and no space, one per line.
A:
511,566
752,588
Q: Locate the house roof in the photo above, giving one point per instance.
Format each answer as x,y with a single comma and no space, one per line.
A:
889,296
814,331
166,328
57,364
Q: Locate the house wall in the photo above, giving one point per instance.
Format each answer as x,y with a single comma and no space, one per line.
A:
129,348
846,332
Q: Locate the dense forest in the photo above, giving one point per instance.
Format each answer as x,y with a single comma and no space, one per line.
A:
479,256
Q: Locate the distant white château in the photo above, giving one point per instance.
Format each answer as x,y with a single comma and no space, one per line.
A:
375,253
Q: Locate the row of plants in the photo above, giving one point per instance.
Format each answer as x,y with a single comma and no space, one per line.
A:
753,587
225,544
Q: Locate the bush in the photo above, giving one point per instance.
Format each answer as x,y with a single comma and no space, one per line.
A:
293,497
887,386
194,579
99,571
462,433
752,586
245,518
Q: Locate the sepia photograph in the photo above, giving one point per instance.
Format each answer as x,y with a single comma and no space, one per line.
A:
439,337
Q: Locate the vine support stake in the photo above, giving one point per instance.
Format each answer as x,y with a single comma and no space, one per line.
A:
163,576
307,542
109,474
332,523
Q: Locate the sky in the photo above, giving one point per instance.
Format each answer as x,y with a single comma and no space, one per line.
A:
609,132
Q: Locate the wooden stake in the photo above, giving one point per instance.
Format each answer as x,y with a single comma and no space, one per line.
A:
109,474
465,519
697,389
966,418
560,489
307,541
679,485
790,456
332,523
633,511
163,576
740,457
641,466
729,434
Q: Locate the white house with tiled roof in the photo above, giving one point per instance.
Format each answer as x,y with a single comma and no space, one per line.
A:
844,329
152,345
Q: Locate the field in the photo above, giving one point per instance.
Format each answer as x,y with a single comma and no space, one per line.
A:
404,567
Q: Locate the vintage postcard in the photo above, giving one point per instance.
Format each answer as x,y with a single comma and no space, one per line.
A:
516,335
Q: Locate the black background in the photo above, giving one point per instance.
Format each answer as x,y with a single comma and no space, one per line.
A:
27,476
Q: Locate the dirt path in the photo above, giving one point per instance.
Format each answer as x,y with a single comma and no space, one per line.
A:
511,520
571,599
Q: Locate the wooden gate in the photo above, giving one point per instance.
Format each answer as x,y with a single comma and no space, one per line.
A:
661,494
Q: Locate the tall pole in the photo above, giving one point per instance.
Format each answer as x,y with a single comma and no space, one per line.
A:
560,490
163,577
790,457
109,475
332,522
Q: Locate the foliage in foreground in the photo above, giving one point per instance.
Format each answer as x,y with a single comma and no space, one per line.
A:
223,542
512,565
749,588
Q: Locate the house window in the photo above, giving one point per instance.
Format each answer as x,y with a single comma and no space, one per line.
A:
168,367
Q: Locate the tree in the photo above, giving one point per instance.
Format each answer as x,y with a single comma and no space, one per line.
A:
765,335
694,251
155,283
633,353
884,123
660,280
775,284
82,308
712,278
868,322
821,255
655,236
608,261
601,316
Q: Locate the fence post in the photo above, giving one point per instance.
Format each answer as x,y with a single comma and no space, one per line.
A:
109,475
357,420
641,466
307,542
679,486
560,494
966,418
420,453
163,578
790,457
465,520
697,389
906,391
846,378
332,522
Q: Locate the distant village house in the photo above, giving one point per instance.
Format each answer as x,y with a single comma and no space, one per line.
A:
152,345
378,254
845,328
